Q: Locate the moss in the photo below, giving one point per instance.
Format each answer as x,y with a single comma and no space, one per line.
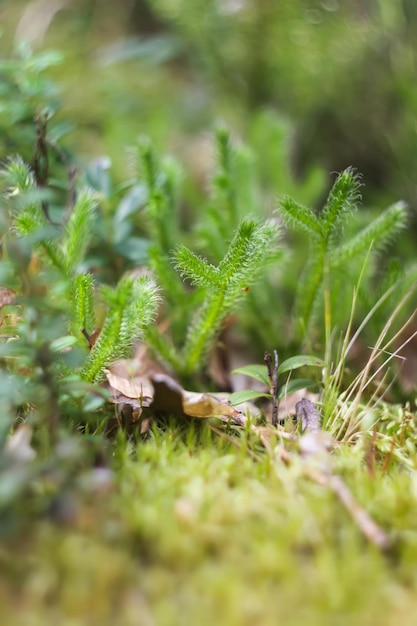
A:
198,532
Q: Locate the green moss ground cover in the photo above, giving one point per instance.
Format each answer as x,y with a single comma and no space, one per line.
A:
195,530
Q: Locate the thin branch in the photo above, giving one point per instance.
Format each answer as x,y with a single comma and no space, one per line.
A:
360,516
71,198
273,384
40,163
368,527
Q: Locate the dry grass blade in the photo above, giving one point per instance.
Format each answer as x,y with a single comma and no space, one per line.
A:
347,412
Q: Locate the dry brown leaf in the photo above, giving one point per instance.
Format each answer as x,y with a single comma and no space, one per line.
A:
205,405
168,395
161,393
137,388
171,397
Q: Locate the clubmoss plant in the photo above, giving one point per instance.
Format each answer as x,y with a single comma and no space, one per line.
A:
58,252
130,310
334,260
240,246
224,285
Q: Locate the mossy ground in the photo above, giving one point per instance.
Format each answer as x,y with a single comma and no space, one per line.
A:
195,530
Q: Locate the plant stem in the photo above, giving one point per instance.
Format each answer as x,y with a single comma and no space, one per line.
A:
327,313
193,352
273,383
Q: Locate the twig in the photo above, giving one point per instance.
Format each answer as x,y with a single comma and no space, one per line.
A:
91,338
40,160
71,198
308,415
360,516
368,527
59,151
273,383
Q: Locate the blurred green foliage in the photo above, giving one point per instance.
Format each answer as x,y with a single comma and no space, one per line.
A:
342,73
146,212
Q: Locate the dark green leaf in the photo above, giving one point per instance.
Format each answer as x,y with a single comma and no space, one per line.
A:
245,395
259,372
135,249
300,360
295,385
134,200
62,343
98,176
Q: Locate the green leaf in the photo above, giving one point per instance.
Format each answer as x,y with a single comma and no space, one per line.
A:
295,385
245,395
154,50
133,200
62,343
92,402
44,60
300,360
98,176
135,249
259,372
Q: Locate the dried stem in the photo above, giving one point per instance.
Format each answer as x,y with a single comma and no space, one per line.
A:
273,383
40,159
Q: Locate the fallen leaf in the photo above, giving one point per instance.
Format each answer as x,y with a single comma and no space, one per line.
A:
172,398
168,395
162,393
138,388
205,405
